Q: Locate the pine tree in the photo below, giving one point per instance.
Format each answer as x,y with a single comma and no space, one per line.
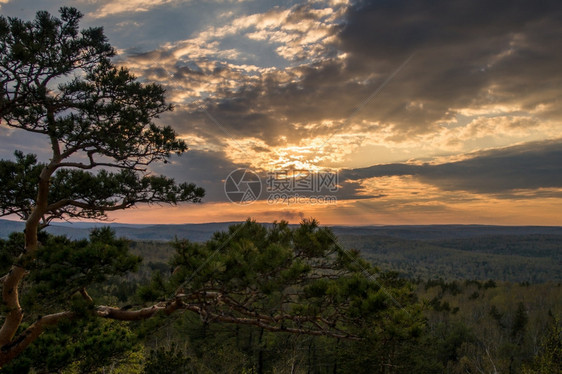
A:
60,83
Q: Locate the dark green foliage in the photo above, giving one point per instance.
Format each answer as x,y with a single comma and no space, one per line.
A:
532,258
106,189
474,295
498,331
450,287
63,267
9,250
397,346
496,315
302,271
449,340
13,251
27,43
396,340
531,245
469,340
155,290
85,194
549,359
519,322
302,278
59,271
84,344
167,361
19,184
60,82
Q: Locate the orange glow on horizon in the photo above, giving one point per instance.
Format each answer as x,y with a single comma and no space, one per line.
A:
541,212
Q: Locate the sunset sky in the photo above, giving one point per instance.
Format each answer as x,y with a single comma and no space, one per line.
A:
428,112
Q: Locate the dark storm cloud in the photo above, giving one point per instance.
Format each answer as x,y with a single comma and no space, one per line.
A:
349,189
462,49
207,169
227,120
378,171
466,54
529,166
270,109
388,29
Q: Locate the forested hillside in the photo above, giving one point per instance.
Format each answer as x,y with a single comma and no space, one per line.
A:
516,254
472,325
531,258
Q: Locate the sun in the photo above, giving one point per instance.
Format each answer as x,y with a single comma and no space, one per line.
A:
295,158
261,156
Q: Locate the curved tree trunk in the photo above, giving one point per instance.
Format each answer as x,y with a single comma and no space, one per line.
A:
10,292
